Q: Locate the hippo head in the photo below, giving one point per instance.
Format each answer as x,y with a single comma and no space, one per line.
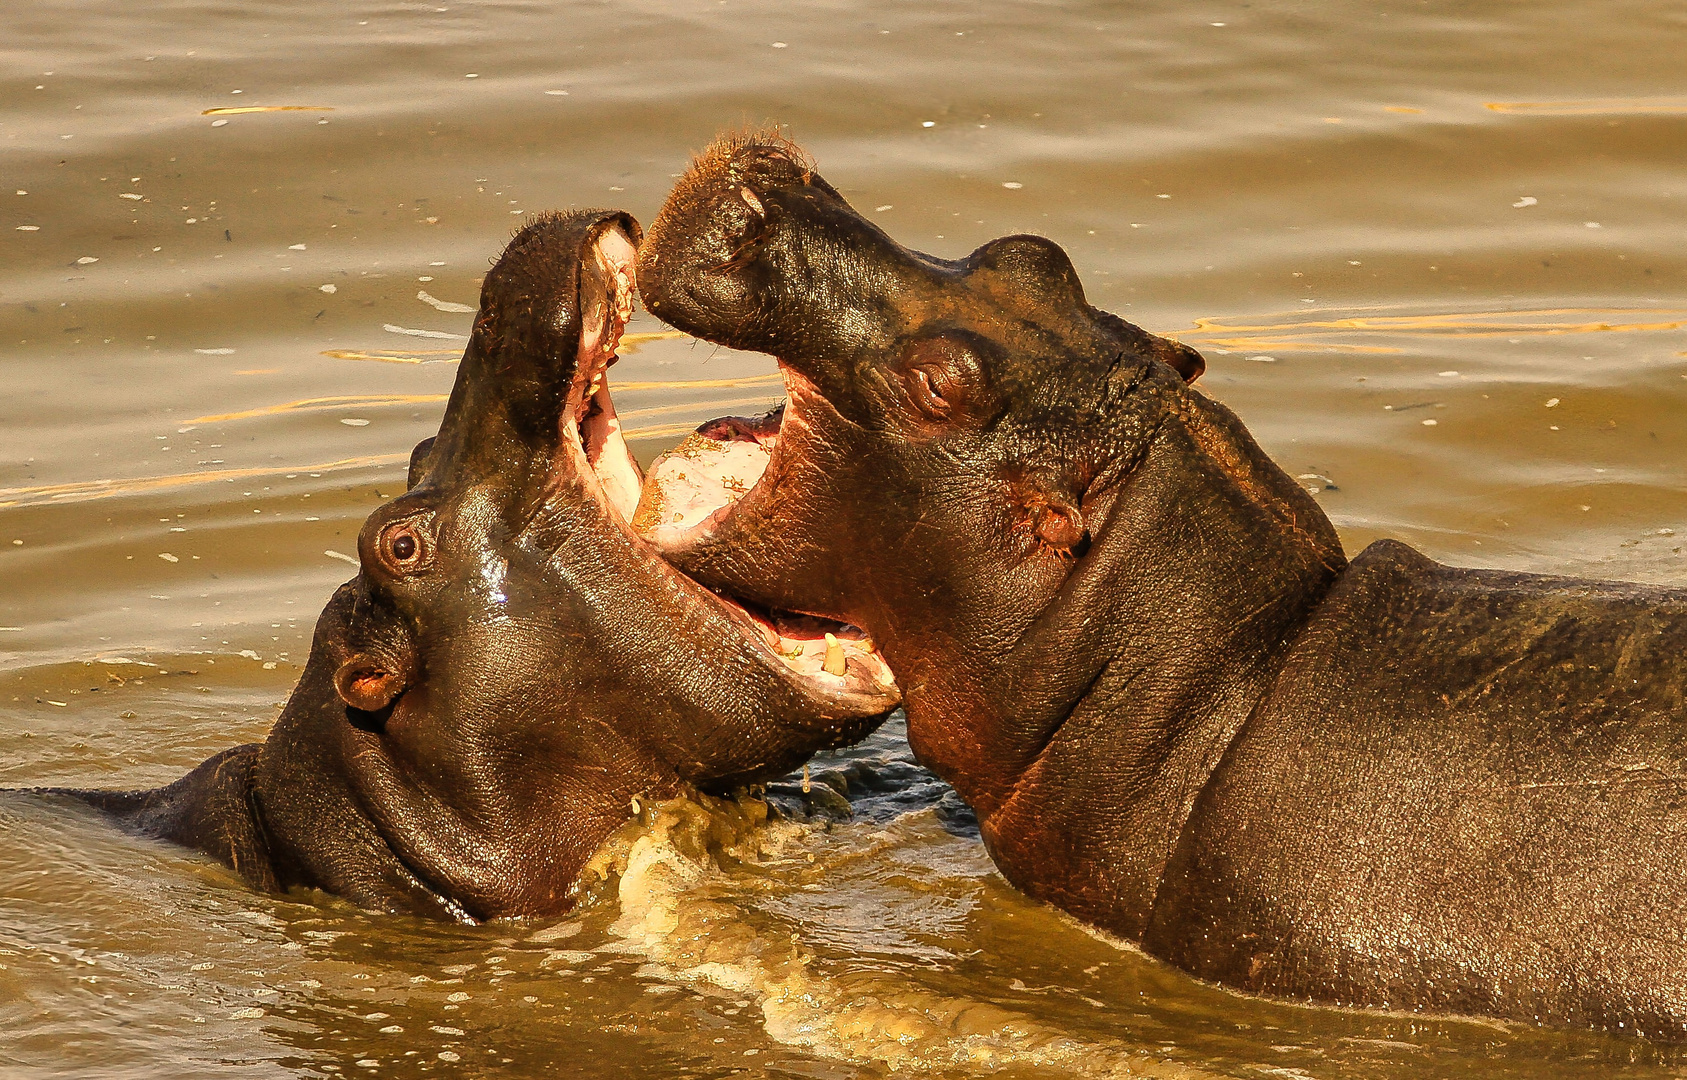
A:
947,421
957,437
513,666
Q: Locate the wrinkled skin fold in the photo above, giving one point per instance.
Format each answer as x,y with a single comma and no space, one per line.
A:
511,666
1136,648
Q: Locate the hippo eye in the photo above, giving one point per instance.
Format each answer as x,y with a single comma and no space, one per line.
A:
403,548
941,376
927,385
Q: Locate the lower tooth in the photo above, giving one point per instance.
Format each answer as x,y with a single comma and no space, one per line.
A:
834,663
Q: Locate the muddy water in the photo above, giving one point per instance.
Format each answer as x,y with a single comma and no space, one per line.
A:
1433,251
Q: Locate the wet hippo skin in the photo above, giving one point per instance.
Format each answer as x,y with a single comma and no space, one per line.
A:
1135,647
511,666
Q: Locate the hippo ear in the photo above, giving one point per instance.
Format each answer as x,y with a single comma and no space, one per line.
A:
1052,518
1060,526
367,684
1174,354
1184,360
420,458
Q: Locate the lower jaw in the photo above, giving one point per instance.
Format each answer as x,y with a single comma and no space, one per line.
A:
605,451
812,646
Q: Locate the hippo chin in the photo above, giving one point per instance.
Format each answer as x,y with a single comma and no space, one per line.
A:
1134,645
511,666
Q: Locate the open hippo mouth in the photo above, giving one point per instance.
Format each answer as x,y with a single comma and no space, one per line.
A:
695,485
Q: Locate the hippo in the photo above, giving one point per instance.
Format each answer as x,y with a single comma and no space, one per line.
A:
512,668
1136,648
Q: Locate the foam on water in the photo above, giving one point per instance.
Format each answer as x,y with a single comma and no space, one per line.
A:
678,878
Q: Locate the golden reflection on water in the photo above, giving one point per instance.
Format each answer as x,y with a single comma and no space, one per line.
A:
632,342
105,489
376,401
428,356
82,491
1595,106
629,343
266,108
775,379
322,404
1317,331
689,407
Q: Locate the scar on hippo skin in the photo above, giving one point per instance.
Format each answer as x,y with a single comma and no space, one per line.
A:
512,667
1392,784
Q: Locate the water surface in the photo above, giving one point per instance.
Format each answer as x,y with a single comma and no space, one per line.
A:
1433,252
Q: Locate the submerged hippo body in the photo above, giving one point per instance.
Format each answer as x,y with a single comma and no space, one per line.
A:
511,666
1135,647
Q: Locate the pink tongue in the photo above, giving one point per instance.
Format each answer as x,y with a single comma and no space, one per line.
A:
696,478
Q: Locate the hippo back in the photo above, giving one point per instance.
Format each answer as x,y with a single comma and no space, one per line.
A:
1465,793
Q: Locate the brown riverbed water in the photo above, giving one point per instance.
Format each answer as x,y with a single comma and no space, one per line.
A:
1433,251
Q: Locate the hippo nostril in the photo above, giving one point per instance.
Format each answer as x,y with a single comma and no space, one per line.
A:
366,686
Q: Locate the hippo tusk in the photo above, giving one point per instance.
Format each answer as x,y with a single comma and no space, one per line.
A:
834,663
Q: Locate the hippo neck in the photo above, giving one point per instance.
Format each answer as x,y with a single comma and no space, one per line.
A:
1083,742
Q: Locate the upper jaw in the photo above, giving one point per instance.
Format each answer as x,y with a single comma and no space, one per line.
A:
714,499
693,265
589,430
755,251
